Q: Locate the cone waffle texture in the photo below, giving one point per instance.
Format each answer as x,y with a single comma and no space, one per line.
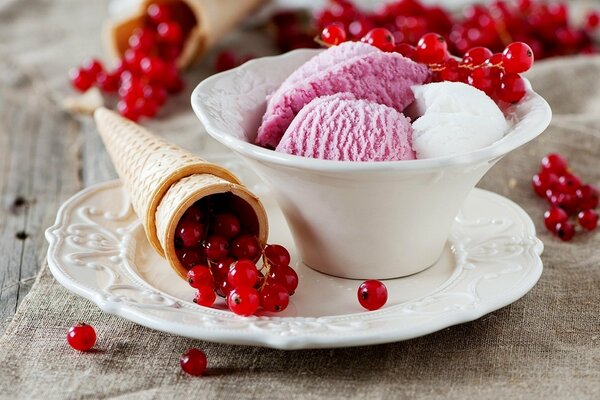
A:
183,195
214,19
148,165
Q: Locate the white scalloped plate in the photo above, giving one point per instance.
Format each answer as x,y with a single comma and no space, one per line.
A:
99,251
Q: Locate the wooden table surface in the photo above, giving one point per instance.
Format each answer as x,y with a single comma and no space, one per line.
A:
47,155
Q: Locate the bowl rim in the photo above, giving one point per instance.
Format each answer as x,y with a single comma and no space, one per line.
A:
486,154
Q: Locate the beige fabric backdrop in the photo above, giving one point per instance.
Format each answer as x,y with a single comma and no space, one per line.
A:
546,345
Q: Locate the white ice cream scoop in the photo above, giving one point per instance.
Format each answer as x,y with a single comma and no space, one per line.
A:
454,118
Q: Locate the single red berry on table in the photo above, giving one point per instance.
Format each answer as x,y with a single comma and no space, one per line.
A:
274,297
372,294
517,57
588,219
81,337
242,273
277,255
554,216
199,275
333,34
555,163
205,296
193,362
432,49
216,247
564,231
227,225
246,246
243,300
380,38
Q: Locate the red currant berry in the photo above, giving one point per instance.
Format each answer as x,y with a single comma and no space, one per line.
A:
277,255
554,216
495,60
217,247
142,39
191,257
132,60
477,56
285,276
566,201
220,269
450,72
380,38
512,88
159,13
190,233
432,49
587,197
205,296
565,231
227,225
199,275
148,108
406,50
372,294
592,20
588,219
568,183
169,32
156,93
223,288
243,300
481,78
274,297
555,163
108,83
242,273
333,34
153,68
81,337
193,362
225,61
80,79
128,110
246,246
543,181
93,67
517,57
172,80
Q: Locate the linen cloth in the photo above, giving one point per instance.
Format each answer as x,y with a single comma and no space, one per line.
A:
545,345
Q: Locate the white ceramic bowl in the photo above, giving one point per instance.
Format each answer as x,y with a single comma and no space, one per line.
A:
351,219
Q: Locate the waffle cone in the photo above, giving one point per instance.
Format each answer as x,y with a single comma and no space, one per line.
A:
163,181
214,18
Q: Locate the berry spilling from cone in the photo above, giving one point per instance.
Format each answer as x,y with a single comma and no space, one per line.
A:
147,72
216,241
571,201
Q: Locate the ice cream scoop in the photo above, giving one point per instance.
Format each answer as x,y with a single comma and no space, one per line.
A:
384,78
453,118
343,128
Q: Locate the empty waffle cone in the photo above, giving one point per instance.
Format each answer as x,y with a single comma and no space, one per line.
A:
164,180
213,19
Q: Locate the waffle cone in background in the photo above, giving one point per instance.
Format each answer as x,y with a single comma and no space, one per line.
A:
214,18
164,180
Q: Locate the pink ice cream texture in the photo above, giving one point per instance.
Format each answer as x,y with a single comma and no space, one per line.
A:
342,128
357,68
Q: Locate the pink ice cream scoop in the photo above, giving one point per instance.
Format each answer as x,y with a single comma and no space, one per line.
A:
340,127
384,78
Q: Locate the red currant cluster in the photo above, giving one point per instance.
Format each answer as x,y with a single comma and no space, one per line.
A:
545,27
221,255
147,73
495,74
568,197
